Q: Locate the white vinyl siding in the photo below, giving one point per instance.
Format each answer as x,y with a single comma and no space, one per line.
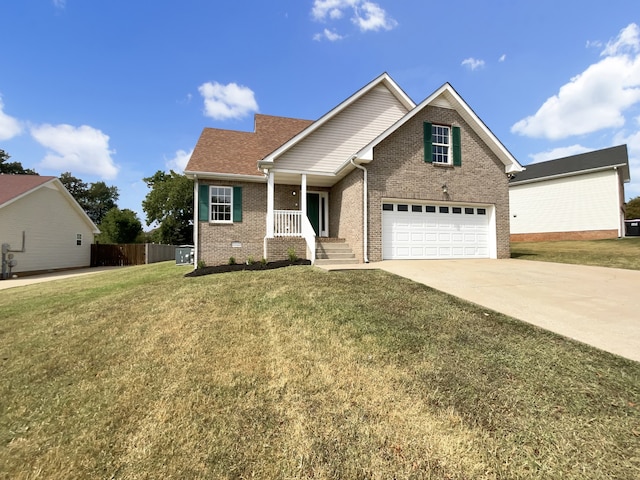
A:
51,226
577,203
346,133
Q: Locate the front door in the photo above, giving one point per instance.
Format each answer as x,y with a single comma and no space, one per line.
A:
313,211
318,212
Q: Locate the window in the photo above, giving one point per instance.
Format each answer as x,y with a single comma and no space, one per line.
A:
78,239
221,204
442,145
444,209
403,208
430,209
468,211
387,207
416,208
456,209
482,211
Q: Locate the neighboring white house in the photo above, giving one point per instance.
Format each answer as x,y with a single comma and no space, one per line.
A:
57,232
571,198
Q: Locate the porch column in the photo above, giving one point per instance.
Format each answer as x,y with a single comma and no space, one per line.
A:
270,209
303,194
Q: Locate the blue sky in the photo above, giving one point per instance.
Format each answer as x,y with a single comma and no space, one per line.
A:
115,90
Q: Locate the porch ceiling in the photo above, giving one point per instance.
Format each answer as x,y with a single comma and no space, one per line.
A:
295,178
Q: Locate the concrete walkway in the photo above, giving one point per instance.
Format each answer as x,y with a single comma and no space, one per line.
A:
47,277
594,305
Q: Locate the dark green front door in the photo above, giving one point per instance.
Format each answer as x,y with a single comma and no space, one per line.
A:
313,210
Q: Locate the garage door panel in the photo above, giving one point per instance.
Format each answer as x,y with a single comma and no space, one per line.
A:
431,235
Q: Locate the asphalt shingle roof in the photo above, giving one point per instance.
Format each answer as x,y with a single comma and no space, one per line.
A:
235,152
12,186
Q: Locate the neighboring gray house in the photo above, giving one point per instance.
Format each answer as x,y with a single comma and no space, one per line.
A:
58,233
580,197
390,178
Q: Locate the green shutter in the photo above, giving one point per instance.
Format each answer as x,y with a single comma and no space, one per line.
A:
203,203
428,142
457,150
237,204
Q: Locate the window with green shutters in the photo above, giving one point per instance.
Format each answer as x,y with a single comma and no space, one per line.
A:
219,204
442,144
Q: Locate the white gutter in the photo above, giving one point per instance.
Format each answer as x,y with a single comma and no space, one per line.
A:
196,220
365,197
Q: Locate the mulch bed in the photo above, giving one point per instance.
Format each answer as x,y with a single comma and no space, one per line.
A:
243,266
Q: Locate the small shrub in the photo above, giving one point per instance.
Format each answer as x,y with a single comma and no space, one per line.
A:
232,260
250,260
291,252
201,264
263,261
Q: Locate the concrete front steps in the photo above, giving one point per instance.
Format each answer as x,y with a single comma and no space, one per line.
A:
334,251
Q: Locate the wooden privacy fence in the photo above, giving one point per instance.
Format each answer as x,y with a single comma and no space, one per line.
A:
121,255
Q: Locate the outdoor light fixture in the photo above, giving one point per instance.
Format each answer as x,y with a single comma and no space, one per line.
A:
293,193
444,188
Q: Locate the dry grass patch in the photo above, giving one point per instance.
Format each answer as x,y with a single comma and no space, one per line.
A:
615,253
298,373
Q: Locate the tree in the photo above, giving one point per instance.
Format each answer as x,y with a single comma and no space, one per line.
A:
95,199
13,168
170,204
119,226
633,209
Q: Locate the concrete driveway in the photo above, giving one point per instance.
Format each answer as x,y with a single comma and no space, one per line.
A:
594,305
48,277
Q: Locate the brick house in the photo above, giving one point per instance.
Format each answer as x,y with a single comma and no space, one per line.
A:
377,177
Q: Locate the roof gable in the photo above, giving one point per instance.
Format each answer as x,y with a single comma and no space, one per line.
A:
14,187
383,80
607,158
232,152
447,97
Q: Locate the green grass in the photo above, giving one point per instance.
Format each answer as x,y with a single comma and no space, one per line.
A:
298,373
616,253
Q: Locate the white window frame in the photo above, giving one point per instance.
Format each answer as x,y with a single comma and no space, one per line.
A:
213,204
437,156
78,239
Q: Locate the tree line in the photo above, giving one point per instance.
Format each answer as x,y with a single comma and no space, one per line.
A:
168,206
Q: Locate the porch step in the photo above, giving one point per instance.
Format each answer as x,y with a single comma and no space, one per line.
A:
334,251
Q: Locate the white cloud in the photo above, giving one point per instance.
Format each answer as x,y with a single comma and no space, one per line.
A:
179,162
329,35
61,4
9,126
596,98
368,16
222,102
628,41
559,152
502,58
81,149
473,63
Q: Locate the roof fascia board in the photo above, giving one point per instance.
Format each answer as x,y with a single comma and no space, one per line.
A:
383,79
225,176
509,161
575,173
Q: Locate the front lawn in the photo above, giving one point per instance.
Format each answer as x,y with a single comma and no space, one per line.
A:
292,373
616,253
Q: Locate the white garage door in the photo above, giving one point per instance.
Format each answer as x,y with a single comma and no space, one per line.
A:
414,231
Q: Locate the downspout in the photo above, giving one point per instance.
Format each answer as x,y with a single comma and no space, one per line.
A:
365,209
196,221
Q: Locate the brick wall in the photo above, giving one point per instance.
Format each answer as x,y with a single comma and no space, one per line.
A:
278,248
555,236
346,212
399,171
